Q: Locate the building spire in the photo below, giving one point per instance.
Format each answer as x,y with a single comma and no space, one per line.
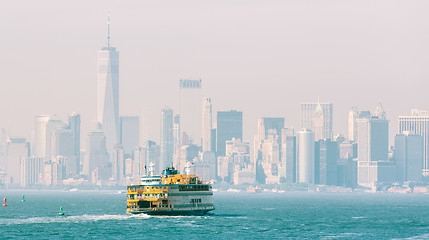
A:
108,30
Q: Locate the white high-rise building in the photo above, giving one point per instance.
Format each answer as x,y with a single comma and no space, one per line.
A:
39,148
207,124
353,115
108,93
417,123
305,153
45,127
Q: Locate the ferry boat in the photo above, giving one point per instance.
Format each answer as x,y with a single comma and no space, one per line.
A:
170,194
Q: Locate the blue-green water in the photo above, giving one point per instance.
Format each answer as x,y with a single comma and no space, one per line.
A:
237,216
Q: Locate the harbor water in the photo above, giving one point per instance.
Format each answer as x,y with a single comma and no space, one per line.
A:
297,215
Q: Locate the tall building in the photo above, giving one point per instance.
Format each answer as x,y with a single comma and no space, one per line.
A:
45,126
229,126
325,164
266,124
130,134
167,139
417,123
373,139
190,109
288,155
207,124
62,142
305,153
97,158
74,126
108,92
153,156
31,171
373,164
118,164
353,116
408,157
16,149
318,118
176,132
39,148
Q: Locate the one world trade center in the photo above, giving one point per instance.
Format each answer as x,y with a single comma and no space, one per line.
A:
108,92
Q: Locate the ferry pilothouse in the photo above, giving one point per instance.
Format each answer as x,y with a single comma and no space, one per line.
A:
170,194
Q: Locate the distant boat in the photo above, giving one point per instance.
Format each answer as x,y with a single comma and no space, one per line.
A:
233,190
73,190
4,202
254,190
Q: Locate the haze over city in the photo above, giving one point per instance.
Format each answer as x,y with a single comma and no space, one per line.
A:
243,119
259,58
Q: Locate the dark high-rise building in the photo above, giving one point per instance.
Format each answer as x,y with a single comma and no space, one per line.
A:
130,137
229,126
408,157
326,153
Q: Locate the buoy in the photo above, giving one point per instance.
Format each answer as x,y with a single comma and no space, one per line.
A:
23,198
4,202
61,213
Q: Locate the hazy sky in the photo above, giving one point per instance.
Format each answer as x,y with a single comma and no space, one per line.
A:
260,57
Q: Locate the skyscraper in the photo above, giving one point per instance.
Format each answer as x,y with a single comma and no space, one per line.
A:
417,123
288,155
31,171
176,132
408,157
207,124
265,124
16,149
130,137
108,92
190,109
97,158
74,126
229,126
118,164
318,118
62,142
305,153
373,136
353,115
373,164
40,135
325,164
45,126
167,139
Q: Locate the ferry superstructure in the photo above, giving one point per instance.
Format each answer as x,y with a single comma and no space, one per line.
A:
170,194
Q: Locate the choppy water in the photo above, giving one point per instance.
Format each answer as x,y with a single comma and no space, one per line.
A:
237,216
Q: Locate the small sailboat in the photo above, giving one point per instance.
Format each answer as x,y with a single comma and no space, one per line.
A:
61,213
23,198
4,202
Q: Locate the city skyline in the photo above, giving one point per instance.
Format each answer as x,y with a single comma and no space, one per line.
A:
221,80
